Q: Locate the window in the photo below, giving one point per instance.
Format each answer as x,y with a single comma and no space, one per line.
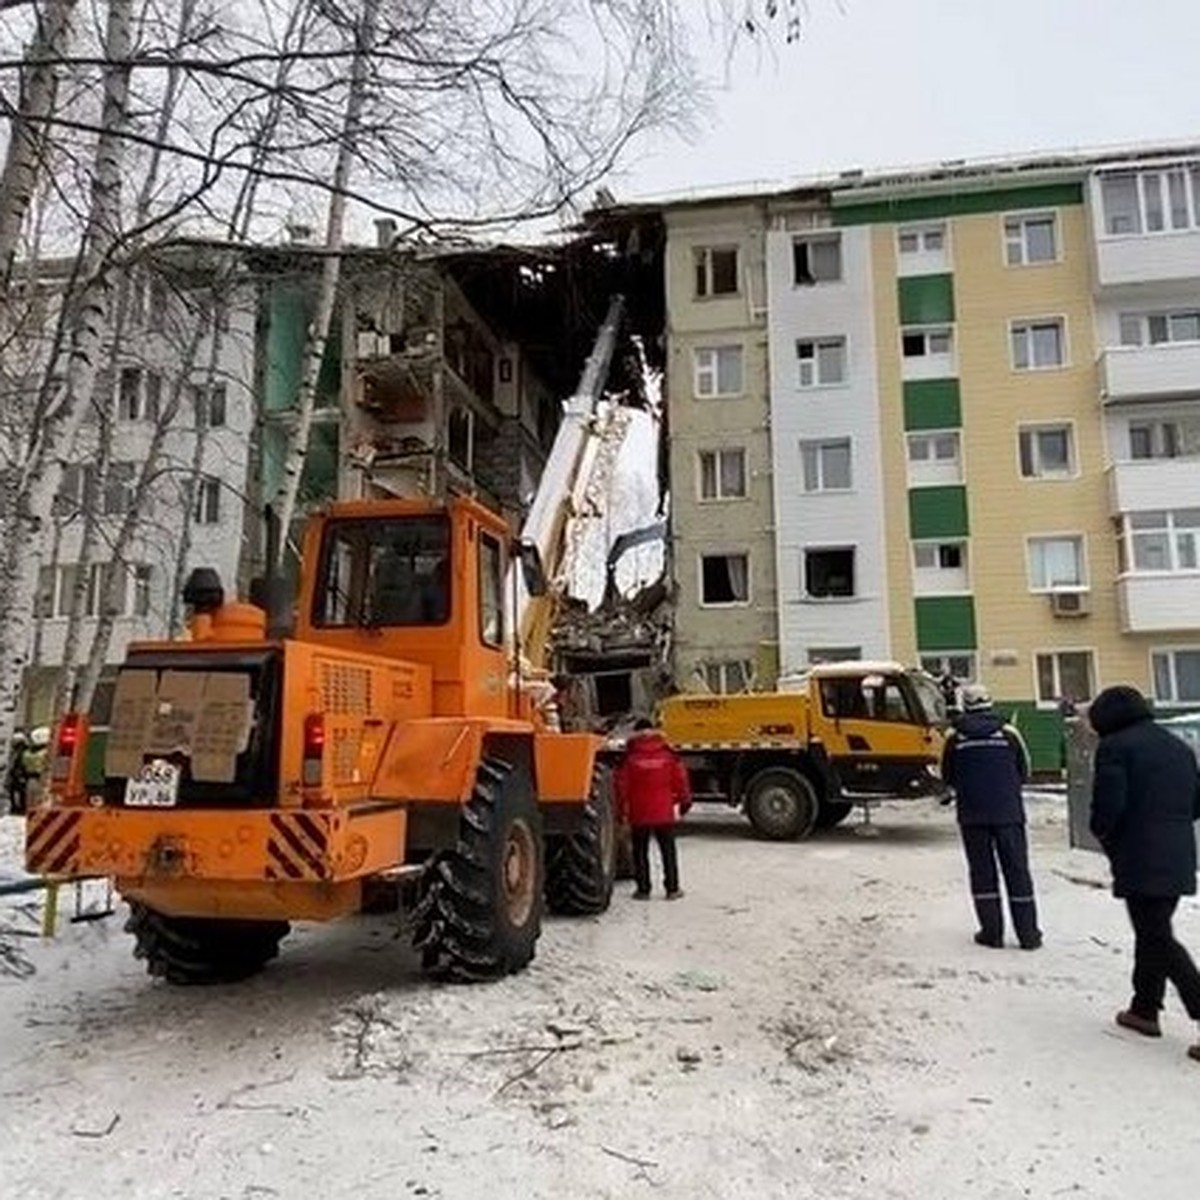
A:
724,579
1056,562
129,394
716,269
107,583
826,465
1065,674
384,572
118,488
1156,329
927,239
139,394
210,404
1030,239
491,591
729,677
829,573
208,502
959,664
1047,451
722,474
1162,541
1038,345
77,491
822,362
1176,676
142,577
934,458
817,259
940,556
940,567
927,352
1163,201
1154,439
718,370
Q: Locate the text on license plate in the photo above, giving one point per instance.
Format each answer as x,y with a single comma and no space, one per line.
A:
156,785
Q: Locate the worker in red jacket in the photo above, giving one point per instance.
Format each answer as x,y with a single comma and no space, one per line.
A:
651,782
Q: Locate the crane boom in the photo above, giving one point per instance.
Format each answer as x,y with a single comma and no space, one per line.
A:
561,489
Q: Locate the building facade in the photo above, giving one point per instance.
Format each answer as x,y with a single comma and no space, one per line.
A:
983,424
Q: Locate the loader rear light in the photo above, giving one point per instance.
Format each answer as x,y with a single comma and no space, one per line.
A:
66,746
314,749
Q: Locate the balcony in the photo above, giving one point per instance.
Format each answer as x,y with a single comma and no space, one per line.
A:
1159,372
1159,603
1148,258
1153,484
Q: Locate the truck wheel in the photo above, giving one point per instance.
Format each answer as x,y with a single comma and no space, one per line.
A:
580,868
195,950
480,911
781,804
833,813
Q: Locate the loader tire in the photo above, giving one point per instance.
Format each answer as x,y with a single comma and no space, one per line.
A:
202,950
782,804
581,867
480,911
833,813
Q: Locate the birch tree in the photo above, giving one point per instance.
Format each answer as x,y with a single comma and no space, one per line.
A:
72,381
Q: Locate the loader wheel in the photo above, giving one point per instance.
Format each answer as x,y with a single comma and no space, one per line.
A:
580,868
833,813
782,804
480,911
201,950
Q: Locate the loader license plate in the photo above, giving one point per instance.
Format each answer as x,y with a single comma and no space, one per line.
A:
156,785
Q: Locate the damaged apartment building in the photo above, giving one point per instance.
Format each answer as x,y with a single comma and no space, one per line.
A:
446,371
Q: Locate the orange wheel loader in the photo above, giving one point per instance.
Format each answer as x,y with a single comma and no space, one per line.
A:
250,780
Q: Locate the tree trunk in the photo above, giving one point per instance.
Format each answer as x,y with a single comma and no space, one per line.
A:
73,382
318,330
28,140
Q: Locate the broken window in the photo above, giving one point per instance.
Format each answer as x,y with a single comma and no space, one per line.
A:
716,270
817,259
729,677
724,579
829,573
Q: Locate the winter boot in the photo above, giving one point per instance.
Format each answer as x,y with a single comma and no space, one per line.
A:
1146,1026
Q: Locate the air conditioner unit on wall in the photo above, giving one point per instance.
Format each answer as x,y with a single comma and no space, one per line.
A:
1069,604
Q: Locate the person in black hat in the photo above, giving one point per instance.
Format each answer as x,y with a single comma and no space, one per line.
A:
1145,802
985,762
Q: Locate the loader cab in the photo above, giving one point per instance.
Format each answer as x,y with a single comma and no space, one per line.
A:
414,580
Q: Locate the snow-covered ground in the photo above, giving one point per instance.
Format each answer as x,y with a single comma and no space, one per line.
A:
811,1020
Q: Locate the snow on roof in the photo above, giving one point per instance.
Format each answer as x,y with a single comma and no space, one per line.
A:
858,667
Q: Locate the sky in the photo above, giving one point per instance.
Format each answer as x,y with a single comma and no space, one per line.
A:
876,83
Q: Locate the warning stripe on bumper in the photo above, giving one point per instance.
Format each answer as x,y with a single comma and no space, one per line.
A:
297,847
52,842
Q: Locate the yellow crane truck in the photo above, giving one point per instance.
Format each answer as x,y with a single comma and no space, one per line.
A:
794,761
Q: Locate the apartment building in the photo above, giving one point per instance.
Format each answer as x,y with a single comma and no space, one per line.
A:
717,391
982,416
180,380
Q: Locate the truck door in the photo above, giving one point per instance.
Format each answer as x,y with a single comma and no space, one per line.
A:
877,735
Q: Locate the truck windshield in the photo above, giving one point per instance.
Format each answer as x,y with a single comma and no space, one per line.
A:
929,697
393,572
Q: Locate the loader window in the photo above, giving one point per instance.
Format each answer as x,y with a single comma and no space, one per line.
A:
377,573
491,591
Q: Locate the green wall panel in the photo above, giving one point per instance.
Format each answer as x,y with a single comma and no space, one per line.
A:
938,512
954,204
932,404
945,623
926,299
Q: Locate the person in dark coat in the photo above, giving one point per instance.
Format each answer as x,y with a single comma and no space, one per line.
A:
1145,802
17,783
651,783
985,762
